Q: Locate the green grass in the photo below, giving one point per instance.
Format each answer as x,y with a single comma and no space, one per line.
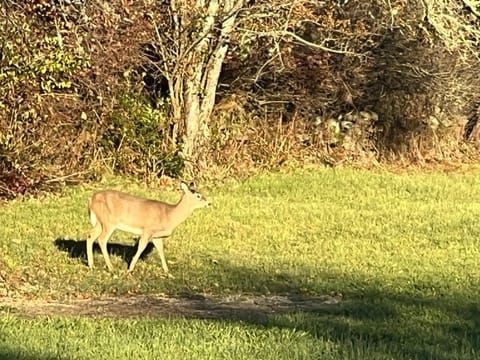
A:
403,251
147,339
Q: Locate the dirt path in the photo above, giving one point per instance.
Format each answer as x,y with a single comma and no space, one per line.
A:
256,308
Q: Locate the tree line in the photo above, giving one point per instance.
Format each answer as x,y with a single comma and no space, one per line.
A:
226,87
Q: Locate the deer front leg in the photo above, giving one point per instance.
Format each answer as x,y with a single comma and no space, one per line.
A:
158,242
142,244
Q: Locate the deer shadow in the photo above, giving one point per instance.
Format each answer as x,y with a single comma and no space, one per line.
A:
77,249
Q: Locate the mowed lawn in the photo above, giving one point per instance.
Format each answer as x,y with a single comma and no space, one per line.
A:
400,251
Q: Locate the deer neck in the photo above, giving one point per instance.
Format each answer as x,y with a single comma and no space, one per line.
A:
180,211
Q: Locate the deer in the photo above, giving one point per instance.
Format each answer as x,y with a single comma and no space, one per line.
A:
152,220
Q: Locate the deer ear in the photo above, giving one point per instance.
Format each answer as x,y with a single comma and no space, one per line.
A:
184,187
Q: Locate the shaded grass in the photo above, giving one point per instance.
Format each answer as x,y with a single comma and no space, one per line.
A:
402,250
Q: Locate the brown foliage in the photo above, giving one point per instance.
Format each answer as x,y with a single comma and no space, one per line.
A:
412,63
80,89
66,70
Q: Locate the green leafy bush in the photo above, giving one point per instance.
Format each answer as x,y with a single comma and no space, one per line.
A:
137,136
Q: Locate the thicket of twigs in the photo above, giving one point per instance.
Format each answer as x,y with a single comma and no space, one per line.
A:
306,81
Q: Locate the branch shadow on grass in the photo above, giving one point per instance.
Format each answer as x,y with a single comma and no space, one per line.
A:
6,354
373,318
77,249
370,319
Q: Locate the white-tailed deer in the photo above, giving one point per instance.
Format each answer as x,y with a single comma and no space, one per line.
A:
152,220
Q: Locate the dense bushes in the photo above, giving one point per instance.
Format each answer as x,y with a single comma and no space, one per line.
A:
64,72
312,81
413,64
137,139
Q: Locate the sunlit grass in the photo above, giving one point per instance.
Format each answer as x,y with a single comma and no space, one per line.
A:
310,231
402,250
148,339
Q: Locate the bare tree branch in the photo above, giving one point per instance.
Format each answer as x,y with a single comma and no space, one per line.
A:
285,33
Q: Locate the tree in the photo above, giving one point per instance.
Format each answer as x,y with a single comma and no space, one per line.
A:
338,56
192,41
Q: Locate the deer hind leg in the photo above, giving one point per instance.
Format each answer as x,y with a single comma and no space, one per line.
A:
142,244
91,237
158,242
102,241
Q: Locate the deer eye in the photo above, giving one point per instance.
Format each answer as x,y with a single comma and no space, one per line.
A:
199,197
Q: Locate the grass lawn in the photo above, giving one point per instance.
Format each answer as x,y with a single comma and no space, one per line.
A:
402,252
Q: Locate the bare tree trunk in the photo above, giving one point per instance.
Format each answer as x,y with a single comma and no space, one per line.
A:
202,71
